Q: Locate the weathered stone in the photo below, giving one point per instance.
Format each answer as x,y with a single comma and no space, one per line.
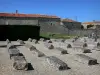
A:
73,41
44,40
63,40
8,41
69,46
41,39
59,64
20,63
13,52
31,47
85,45
36,42
85,40
18,40
49,41
10,46
40,54
86,59
86,51
30,39
49,45
33,40
76,38
62,50
98,44
55,40
21,42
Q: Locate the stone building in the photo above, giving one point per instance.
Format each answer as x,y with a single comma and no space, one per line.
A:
47,23
71,24
85,24
96,24
27,19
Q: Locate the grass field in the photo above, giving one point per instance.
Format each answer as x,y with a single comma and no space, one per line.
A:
56,35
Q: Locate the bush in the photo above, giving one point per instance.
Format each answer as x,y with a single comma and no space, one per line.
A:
88,26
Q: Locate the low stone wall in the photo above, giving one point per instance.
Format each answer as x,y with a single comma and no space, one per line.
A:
53,29
82,32
18,22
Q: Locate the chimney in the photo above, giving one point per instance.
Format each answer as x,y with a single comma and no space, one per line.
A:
16,11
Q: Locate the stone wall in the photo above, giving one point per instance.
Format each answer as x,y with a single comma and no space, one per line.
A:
51,26
2,21
72,25
82,32
46,24
19,21
53,29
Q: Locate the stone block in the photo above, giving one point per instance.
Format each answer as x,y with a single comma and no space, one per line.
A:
13,52
21,42
56,62
87,51
69,46
8,41
20,63
49,45
40,54
85,45
31,47
86,59
30,39
10,46
62,50
98,44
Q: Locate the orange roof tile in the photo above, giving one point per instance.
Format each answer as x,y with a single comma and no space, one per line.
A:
88,23
26,15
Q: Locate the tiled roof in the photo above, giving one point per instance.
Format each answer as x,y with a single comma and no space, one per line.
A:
91,22
88,23
26,15
68,20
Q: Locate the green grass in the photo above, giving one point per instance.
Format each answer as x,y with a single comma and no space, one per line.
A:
56,36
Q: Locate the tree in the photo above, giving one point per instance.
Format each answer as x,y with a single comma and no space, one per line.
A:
88,26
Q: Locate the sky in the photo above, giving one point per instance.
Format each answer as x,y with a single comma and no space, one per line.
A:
80,10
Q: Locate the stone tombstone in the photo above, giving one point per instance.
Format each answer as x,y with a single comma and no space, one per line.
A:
30,39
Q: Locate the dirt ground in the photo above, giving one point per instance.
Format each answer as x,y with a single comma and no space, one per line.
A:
42,67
